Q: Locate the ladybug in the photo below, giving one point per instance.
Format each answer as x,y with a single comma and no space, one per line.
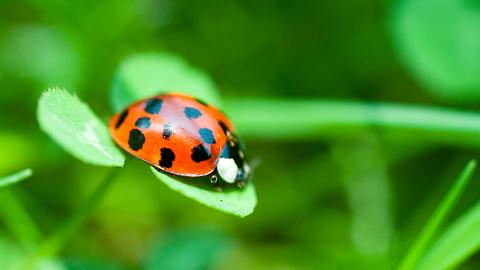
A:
181,135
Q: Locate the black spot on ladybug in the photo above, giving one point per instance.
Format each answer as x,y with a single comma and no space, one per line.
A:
207,135
153,106
223,126
192,113
167,156
136,139
121,119
167,131
200,153
202,102
143,122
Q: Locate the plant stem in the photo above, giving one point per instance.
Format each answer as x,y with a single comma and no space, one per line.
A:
311,119
18,220
53,244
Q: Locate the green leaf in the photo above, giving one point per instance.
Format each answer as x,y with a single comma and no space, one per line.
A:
238,202
438,41
460,241
145,75
417,251
75,127
15,178
188,250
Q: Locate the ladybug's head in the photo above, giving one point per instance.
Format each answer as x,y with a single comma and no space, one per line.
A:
233,166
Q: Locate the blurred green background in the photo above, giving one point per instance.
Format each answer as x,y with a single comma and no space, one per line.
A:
345,200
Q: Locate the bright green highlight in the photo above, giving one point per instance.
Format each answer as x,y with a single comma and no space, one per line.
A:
238,202
77,129
15,178
437,219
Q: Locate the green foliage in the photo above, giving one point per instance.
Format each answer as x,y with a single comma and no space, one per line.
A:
187,250
280,66
144,75
18,220
15,178
439,43
459,241
367,187
10,254
238,202
420,246
53,59
88,264
75,127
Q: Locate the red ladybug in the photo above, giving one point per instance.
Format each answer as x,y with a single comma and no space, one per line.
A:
181,135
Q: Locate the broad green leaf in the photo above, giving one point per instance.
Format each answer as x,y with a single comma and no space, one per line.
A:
238,202
77,129
439,42
15,178
460,241
144,75
418,250
187,250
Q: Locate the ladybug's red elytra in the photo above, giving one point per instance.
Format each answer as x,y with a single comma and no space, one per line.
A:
182,135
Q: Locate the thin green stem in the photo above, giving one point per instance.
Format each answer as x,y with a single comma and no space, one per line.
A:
15,178
437,219
54,243
310,119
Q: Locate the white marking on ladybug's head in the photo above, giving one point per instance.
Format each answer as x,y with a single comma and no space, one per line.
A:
227,169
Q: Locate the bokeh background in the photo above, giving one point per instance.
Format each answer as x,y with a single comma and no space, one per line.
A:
343,201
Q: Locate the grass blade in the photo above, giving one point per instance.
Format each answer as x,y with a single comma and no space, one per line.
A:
460,241
419,247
